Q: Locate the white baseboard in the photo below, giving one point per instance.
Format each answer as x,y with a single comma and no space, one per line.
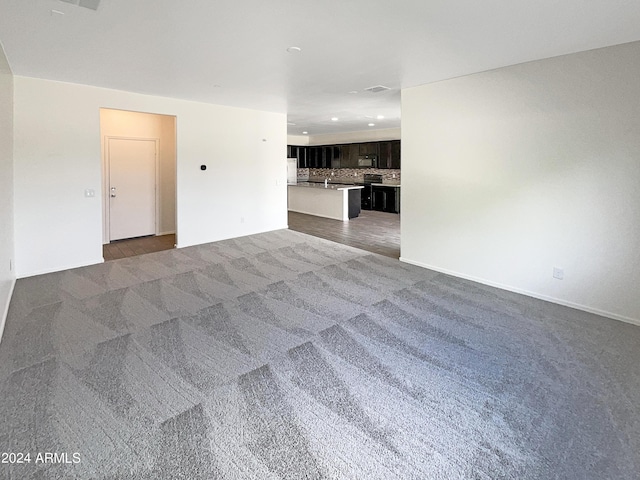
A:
5,310
539,296
60,269
165,233
285,227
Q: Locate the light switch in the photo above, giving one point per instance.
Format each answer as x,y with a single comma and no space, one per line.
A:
89,193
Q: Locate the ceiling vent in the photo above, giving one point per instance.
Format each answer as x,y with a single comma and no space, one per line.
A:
377,89
92,4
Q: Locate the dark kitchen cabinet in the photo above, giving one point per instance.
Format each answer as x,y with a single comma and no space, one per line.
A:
384,159
395,154
389,154
354,154
294,151
344,155
330,157
335,159
385,199
369,148
385,155
326,157
321,157
315,157
349,156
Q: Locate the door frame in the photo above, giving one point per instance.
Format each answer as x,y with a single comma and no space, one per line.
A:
106,169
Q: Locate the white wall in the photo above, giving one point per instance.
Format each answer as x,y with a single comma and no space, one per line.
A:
346,137
354,137
7,277
120,123
509,173
299,140
57,157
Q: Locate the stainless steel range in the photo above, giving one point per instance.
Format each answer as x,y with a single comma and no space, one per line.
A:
367,191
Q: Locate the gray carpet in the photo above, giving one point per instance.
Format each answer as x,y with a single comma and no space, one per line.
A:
281,355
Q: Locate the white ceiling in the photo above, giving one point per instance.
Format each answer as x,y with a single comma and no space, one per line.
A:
234,52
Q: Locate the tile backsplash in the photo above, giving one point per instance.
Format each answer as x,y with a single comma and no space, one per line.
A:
348,175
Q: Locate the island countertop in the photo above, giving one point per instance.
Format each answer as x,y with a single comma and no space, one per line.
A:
328,186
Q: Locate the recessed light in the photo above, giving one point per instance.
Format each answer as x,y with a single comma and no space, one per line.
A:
353,92
380,117
372,124
290,123
294,49
56,12
334,119
304,133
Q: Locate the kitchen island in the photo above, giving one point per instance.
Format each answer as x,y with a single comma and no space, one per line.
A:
337,201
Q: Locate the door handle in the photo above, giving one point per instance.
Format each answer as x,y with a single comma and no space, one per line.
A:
113,192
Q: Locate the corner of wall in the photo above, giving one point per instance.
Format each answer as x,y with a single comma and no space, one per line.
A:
7,241
5,310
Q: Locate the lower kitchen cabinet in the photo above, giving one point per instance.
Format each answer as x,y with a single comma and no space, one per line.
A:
386,199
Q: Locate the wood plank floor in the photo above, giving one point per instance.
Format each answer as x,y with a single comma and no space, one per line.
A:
137,246
377,232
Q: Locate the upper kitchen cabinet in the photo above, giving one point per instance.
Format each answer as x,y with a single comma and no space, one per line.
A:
369,148
321,156
349,156
389,154
315,157
385,155
395,154
330,157
335,156
344,155
301,153
384,158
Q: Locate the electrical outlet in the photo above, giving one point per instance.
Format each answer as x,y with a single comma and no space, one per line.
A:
558,273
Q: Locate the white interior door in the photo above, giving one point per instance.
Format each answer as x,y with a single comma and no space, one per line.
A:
132,188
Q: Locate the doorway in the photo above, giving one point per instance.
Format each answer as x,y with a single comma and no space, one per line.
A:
139,182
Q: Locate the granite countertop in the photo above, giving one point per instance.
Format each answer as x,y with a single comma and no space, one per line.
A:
329,186
340,181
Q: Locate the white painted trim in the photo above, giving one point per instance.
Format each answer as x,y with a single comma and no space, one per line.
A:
105,182
54,270
558,301
5,310
175,164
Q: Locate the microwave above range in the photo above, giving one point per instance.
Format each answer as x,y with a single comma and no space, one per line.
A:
368,161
